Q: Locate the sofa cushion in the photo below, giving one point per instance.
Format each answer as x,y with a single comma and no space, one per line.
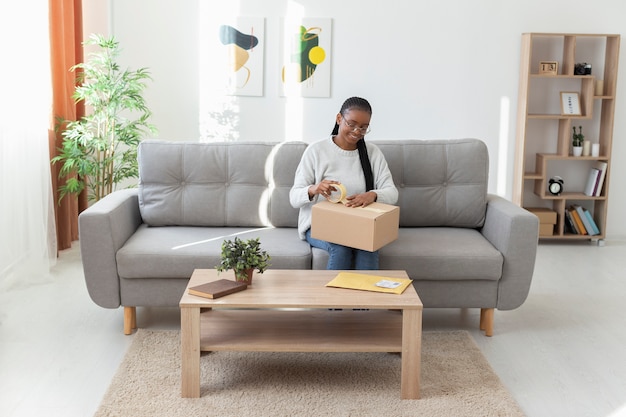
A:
436,254
440,182
443,253
217,184
174,252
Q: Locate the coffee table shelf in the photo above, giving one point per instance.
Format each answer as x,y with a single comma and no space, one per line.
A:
301,331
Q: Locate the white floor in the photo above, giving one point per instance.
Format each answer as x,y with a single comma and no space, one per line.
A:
563,353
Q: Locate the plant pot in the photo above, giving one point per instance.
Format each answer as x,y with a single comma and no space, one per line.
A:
247,279
577,150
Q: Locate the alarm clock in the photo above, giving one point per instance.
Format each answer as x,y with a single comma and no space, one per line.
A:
555,185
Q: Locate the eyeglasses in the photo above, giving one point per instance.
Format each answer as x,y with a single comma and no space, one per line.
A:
353,127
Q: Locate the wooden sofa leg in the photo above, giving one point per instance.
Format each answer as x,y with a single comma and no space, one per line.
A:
130,319
486,321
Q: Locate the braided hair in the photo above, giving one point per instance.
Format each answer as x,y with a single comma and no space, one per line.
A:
359,103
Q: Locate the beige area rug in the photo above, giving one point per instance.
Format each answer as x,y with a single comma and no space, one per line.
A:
456,381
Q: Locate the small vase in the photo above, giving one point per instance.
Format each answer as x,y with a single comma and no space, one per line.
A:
248,278
577,150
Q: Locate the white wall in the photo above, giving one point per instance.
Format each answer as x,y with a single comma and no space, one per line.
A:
431,69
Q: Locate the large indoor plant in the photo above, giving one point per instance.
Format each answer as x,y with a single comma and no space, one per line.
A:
243,257
100,150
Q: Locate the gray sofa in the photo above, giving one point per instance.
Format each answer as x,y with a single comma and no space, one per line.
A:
462,247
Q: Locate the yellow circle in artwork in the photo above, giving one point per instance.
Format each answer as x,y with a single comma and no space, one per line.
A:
317,55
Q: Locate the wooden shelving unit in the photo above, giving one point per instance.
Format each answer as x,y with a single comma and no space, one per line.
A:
544,136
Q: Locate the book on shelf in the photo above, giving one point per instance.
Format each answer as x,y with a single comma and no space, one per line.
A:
569,223
592,182
594,226
580,227
585,220
600,166
217,289
572,222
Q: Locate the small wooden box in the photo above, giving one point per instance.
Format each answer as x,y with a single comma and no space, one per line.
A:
546,229
545,215
548,67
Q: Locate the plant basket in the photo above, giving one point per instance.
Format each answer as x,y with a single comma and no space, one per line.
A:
248,276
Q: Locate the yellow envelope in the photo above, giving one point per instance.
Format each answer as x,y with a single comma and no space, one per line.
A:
366,282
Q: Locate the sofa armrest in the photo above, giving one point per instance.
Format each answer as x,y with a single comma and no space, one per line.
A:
103,229
514,231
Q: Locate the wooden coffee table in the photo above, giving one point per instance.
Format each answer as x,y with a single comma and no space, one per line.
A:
288,311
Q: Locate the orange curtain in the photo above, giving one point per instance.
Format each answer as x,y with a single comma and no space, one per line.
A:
66,35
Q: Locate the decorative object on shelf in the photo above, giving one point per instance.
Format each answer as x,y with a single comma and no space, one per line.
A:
243,257
99,151
582,69
548,67
570,103
586,148
595,150
555,185
577,141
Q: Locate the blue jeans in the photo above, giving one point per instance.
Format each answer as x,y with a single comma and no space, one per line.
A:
344,257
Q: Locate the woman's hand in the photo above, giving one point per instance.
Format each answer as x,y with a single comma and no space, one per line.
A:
361,200
324,188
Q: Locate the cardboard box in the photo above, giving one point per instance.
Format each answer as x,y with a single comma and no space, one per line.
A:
546,229
545,215
368,228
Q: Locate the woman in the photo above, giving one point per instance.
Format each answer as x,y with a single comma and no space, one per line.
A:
344,158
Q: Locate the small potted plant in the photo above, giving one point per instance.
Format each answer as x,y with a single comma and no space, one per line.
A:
243,257
577,141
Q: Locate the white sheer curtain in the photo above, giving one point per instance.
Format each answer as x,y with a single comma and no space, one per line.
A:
27,226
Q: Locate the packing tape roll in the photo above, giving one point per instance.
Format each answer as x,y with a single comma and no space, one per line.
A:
339,195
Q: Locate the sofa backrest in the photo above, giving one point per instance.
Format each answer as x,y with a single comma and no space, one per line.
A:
440,182
217,184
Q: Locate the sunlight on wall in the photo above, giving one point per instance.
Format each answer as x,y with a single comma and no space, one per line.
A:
503,147
294,118
294,107
219,112
220,117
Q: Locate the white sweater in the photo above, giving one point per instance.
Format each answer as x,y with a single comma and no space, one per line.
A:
324,160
